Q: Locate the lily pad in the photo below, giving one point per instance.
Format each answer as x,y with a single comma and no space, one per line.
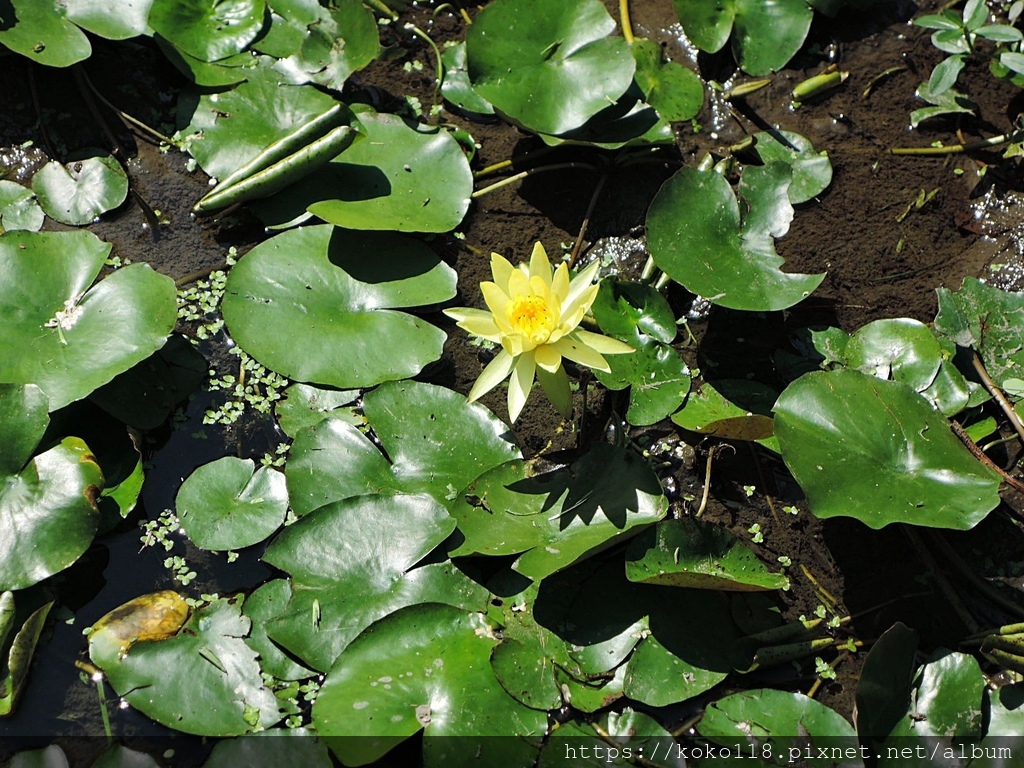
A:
436,441
425,667
552,519
226,505
313,304
19,208
62,336
210,30
209,74
771,722
765,36
812,171
40,30
697,236
82,190
18,637
732,409
456,87
266,603
203,680
279,748
112,19
658,379
232,127
883,689
987,320
305,406
877,451
525,55
630,311
617,738
629,122
695,553
901,349
398,177
353,562
342,39
672,89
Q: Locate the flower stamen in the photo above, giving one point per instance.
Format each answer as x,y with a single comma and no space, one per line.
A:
531,316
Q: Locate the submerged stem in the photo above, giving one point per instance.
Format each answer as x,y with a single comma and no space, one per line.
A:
956,149
578,245
523,174
518,159
438,66
998,396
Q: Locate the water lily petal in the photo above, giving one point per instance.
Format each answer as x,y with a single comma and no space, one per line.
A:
540,265
479,323
492,375
497,301
578,285
515,343
606,345
580,353
556,387
574,310
519,284
502,269
560,282
548,358
520,384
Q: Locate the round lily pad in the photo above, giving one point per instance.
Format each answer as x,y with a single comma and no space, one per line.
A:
524,56
425,667
876,450
40,30
697,236
812,171
672,89
65,337
208,29
313,304
112,19
202,680
782,718
82,190
226,505
18,208
340,40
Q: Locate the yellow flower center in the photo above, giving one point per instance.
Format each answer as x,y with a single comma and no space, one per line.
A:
531,316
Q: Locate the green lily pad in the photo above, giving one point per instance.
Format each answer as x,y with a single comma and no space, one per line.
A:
112,19
901,349
342,39
82,190
552,519
616,738
695,553
772,722
987,320
202,680
876,450
146,394
765,36
18,647
48,513
40,30
61,335
456,87
634,310
48,757
425,667
306,406
266,603
210,30
883,689
945,701
697,236
117,756
209,74
658,378
591,695
732,409
313,304
278,748
352,563
19,208
672,89
436,441
399,177
525,55
289,22
812,171
235,126
629,122
23,420
226,505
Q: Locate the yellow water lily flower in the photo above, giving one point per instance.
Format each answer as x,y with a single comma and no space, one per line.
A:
534,314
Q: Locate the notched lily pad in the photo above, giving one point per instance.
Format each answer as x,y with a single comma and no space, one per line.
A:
226,505
552,519
732,409
210,30
19,633
812,171
695,553
203,680
80,191
19,208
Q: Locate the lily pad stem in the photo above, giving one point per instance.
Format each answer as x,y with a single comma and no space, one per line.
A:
956,149
980,456
382,8
517,160
191,277
523,174
650,271
578,245
998,396
438,67
661,282
707,478
685,727
985,589
39,115
153,133
627,26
